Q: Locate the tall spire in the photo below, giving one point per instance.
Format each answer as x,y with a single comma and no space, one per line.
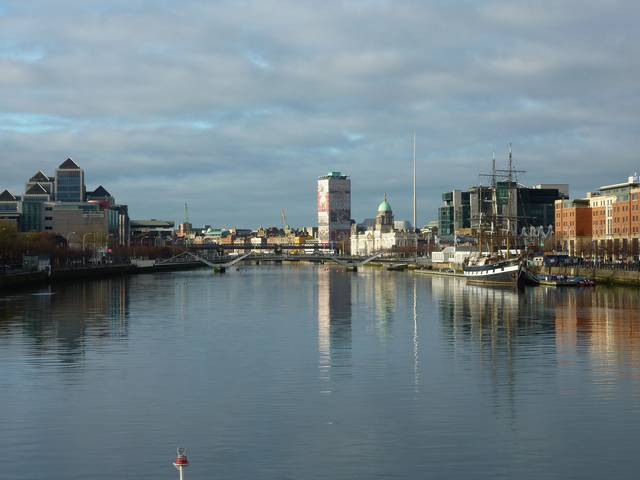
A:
510,163
415,226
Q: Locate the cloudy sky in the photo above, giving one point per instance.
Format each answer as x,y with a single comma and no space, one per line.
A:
237,106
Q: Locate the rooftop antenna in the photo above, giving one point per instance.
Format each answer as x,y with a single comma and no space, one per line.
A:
415,226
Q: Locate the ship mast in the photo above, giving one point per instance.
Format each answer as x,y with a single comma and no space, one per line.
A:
501,219
509,204
494,203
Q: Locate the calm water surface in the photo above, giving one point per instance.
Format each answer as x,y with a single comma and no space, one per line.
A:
302,373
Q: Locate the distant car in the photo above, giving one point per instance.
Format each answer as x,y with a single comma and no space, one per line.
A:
449,270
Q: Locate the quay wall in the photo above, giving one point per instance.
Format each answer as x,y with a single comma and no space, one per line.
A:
15,280
600,276
27,279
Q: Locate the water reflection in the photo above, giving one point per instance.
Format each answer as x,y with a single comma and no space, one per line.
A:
379,290
394,375
604,324
564,324
334,322
60,319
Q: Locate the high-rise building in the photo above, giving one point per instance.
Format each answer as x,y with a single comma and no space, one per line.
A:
10,208
32,205
454,214
45,181
69,182
334,210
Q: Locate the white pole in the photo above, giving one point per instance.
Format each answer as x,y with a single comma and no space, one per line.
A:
415,226
415,221
181,469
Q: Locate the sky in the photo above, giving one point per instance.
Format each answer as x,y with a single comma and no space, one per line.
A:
236,107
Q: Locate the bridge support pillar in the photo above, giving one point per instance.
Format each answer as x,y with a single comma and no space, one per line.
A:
219,269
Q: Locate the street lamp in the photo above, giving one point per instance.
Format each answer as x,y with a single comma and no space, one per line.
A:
69,236
85,236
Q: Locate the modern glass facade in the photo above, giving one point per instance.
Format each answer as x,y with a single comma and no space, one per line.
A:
69,185
32,215
455,212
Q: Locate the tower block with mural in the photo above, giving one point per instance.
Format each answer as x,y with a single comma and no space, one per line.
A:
334,211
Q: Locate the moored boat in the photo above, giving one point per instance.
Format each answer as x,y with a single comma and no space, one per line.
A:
495,271
564,281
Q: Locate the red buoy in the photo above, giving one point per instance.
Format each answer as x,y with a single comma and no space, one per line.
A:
181,461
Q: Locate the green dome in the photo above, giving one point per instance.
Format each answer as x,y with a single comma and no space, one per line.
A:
384,206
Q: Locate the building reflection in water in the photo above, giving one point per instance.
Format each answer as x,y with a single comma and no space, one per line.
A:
334,323
603,323
595,329
61,318
378,289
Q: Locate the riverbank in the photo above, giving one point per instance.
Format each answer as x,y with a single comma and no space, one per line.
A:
439,273
600,276
25,279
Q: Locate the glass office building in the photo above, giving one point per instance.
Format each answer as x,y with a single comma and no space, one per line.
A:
69,182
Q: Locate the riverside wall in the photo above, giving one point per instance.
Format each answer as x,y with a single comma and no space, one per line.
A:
600,276
16,280
27,279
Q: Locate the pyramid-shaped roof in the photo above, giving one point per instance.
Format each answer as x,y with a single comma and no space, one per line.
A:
39,177
7,196
69,164
100,192
36,189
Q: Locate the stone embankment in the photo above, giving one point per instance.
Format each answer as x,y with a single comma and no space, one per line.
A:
24,279
599,275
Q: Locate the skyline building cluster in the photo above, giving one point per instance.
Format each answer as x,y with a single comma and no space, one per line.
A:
61,204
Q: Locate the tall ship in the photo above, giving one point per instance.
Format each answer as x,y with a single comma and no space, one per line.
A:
498,260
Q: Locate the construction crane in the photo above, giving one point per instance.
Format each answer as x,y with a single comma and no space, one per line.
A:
285,227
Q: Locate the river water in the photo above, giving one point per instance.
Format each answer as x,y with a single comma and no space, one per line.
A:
304,373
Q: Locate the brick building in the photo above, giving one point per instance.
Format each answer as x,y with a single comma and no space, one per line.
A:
604,225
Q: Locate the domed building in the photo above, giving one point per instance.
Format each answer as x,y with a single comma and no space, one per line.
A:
382,236
384,217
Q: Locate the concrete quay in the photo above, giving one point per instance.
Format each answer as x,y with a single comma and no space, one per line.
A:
600,275
26,279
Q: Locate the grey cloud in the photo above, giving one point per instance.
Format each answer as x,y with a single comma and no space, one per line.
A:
242,105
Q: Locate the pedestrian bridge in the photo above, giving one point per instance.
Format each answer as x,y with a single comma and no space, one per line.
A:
221,267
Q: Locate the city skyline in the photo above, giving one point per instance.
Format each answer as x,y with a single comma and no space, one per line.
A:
237,111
